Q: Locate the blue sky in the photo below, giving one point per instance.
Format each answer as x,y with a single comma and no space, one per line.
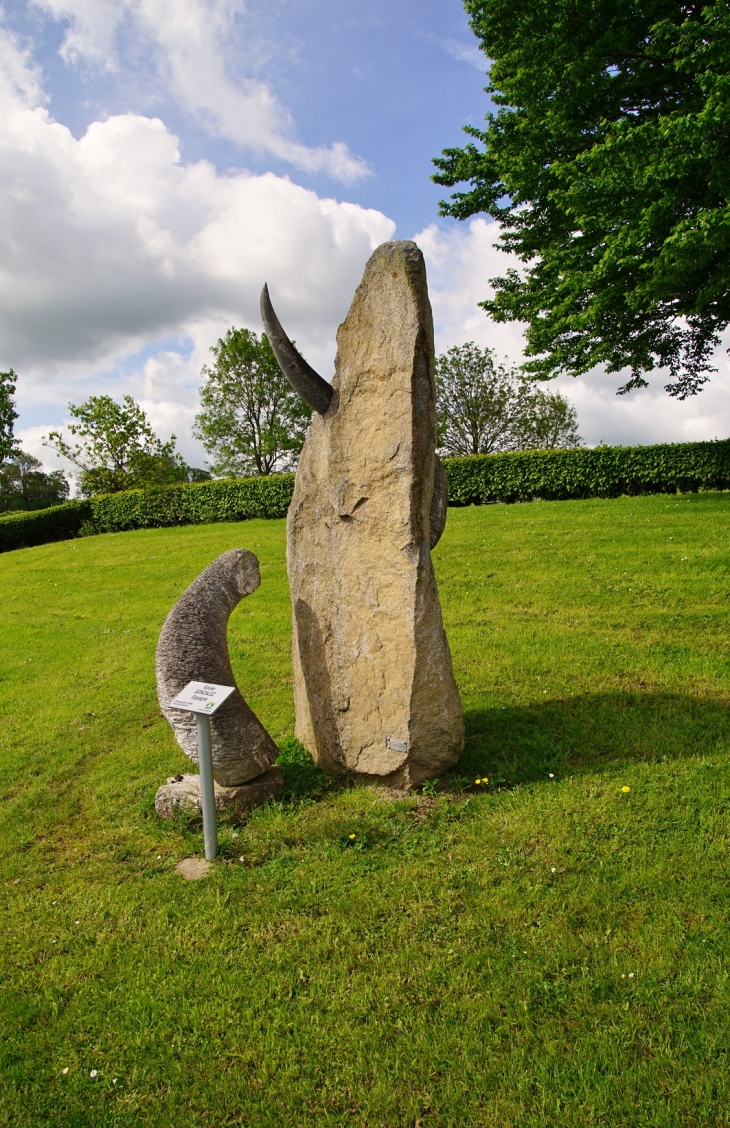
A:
161,157
394,81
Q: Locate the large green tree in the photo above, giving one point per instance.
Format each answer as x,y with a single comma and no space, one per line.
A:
118,449
483,407
251,420
25,485
8,415
607,166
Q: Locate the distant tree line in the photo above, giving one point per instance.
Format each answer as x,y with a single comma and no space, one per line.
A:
115,448
251,422
23,483
483,407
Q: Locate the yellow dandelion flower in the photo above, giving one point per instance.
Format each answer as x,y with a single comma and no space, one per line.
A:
625,789
352,836
477,781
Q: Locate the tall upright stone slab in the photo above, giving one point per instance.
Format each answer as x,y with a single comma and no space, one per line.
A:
373,682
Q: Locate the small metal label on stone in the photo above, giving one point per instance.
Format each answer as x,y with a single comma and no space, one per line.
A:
202,697
396,745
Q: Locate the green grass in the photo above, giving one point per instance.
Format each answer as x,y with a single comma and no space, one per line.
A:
545,950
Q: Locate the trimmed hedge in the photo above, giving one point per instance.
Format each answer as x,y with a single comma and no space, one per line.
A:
551,475
561,475
198,503
60,522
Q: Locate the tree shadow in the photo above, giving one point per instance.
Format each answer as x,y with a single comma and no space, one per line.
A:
590,733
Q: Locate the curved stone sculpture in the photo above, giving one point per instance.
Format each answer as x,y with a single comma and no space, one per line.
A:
193,647
373,684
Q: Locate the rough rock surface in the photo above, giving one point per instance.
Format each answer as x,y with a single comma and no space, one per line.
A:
193,647
183,792
373,684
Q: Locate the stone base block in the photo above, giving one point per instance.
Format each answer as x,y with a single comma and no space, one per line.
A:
182,792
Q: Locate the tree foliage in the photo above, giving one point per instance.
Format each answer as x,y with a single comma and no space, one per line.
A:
251,420
8,415
607,166
24,485
119,449
483,407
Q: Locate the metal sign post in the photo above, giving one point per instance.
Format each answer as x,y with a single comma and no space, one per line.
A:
203,698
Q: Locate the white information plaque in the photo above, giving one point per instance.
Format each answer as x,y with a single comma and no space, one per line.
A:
202,697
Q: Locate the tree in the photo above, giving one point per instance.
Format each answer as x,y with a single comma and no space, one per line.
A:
8,415
607,167
251,421
24,484
119,450
482,407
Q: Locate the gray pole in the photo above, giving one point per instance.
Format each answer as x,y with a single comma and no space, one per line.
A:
207,790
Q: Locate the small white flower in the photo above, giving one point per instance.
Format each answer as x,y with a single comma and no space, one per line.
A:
241,858
65,1070
551,775
622,975
158,857
631,975
114,1081
553,869
235,834
77,922
94,1073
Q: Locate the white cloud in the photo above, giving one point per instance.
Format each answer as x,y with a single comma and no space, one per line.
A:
460,262
188,40
110,241
111,246
465,53
120,265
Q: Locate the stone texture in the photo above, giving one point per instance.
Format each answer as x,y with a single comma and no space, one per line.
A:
193,647
183,792
373,683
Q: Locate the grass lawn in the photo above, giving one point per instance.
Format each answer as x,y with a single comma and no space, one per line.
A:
548,949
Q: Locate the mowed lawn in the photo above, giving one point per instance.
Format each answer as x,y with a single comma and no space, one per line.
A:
546,949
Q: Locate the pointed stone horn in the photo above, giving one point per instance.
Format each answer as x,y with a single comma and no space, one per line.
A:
304,380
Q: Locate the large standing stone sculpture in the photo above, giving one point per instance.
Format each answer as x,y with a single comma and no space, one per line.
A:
373,683
193,647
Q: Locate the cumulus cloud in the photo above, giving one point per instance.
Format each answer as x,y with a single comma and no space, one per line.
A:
120,265
460,262
187,40
110,241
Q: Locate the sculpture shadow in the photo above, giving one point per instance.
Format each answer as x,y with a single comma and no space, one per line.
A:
590,733
303,779
316,679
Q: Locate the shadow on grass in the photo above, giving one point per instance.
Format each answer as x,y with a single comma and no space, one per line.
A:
579,734
590,733
303,779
